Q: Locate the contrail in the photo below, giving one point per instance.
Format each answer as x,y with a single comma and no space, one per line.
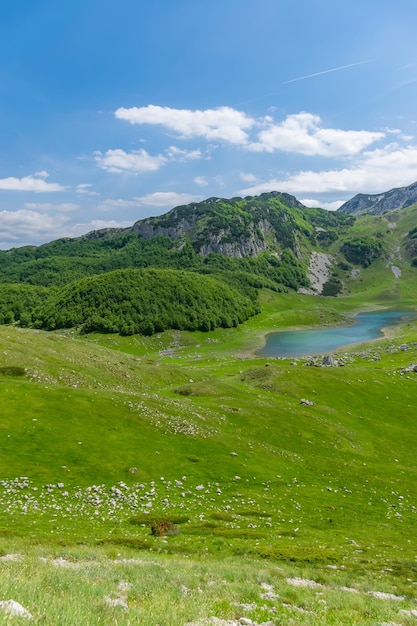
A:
334,69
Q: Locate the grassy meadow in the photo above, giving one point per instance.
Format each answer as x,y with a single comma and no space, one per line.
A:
277,511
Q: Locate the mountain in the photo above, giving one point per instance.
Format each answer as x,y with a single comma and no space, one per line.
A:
270,235
235,228
378,204
185,267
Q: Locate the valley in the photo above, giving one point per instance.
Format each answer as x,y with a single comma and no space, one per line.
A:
174,476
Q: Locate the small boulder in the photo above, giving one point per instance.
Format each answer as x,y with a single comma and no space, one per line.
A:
329,361
11,607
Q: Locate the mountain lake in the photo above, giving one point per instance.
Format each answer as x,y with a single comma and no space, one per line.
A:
365,327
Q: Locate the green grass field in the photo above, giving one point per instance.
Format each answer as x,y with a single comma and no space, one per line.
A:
101,434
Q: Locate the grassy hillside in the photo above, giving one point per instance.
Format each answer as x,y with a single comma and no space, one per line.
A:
105,436
191,427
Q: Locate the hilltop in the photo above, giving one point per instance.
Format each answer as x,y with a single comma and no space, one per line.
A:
378,204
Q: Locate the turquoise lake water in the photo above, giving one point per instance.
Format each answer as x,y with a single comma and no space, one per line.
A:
366,326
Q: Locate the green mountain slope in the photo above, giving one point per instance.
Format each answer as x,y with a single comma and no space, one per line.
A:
245,243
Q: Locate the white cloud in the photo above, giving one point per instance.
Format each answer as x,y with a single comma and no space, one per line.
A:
221,124
137,162
28,227
85,189
376,171
81,229
109,204
201,181
330,206
35,182
247,177
48,206
162,199
167,199
301,133
33,226
177,154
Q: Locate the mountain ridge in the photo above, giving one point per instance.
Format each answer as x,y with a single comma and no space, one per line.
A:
381,203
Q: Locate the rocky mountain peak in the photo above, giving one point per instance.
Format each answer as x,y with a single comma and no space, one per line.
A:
378,204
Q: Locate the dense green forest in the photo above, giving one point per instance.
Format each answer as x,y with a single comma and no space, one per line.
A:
144,301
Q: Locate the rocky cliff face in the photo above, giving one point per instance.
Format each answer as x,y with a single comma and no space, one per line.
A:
148,228
377,204
234,228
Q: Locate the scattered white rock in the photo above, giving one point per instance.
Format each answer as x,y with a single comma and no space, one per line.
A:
385,596
304,582
269,595
11,557
412,613
120,601
306,402
295,608
215,621
11,607
318,272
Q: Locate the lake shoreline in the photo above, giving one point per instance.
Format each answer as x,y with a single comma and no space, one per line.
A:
385,331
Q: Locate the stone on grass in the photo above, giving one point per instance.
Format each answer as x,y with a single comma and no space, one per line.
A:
11,607
306,402
412,613
329,361
303,582
121,601
385,596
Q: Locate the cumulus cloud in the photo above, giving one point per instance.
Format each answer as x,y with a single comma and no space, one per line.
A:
85,189
220,124
48,206
302,133
167,199
330,206
201,181
247,177
376,171
29,227
137,162
35,182
178,154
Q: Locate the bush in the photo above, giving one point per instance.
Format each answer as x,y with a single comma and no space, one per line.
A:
13,370
362,250
332,287
163,528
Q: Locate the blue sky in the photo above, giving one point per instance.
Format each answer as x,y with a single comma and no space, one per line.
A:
112,111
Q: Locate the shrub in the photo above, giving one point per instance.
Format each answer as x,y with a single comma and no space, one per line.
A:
13,370
162,528
332,287
362,250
